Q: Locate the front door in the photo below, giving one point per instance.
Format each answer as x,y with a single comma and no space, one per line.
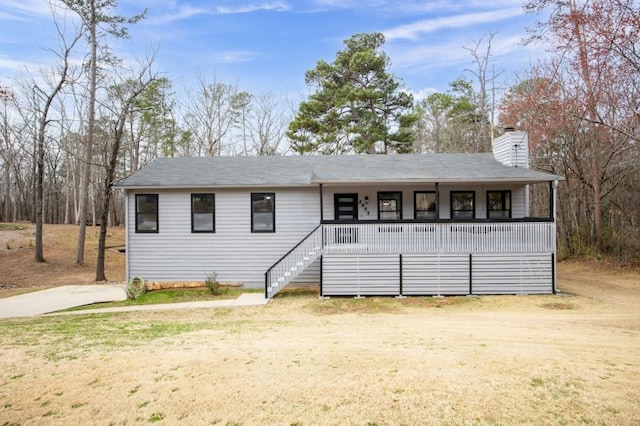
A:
346,206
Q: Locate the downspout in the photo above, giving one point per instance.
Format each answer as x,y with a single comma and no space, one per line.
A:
321,233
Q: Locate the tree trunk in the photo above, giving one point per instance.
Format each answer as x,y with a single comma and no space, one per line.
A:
592,116
597,209
104,217
7,195
88,157
67,193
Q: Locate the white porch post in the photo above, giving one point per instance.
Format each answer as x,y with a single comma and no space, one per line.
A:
321,205
555,235
127,248
437,200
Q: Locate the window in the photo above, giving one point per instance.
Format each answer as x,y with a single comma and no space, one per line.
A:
424,204
263,212
203,213
389,205
498,204
147,213
462,204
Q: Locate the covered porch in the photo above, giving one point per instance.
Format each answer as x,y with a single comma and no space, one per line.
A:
469,232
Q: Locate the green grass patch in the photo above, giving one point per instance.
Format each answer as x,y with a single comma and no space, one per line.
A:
11,227
68,337
177,295
156,417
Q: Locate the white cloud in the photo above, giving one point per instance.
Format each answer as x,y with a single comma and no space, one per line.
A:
453,53
13,65
236,56
412,7
423,93
277,6
348,4
413,30
23,9
182,12
430,56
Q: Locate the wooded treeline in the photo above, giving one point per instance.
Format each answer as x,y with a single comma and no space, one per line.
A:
580,107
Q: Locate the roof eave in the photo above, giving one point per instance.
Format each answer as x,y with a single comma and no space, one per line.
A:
523,180
204,186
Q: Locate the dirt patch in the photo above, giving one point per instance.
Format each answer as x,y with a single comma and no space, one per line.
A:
558,305
20,270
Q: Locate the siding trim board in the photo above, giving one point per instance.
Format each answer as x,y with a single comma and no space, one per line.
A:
400,270
470,274
321,269
553,273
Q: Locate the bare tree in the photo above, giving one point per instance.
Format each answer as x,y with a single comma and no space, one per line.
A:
6,152
123,97
211,115
97,21
597,61
46,98
268,124
486,94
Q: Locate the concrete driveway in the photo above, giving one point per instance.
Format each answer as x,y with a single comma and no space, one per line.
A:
58,298
69,296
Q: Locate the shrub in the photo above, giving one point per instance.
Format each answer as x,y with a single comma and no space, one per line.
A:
212,283
135,288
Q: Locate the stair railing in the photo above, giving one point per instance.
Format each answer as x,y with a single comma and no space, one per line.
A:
293,263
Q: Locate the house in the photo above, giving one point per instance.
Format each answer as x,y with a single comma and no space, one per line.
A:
357,225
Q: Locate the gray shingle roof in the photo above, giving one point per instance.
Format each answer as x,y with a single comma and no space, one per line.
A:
305,170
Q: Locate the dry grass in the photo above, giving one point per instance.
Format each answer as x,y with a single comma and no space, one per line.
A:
487,360
20,271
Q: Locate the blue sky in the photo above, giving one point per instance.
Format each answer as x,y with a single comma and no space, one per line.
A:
269,44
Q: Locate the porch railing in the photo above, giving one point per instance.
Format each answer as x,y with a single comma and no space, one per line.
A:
293,263
439,238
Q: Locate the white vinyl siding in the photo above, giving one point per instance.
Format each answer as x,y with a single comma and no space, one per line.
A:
443,275
447,275
512,273
233,251
368,275
512,149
